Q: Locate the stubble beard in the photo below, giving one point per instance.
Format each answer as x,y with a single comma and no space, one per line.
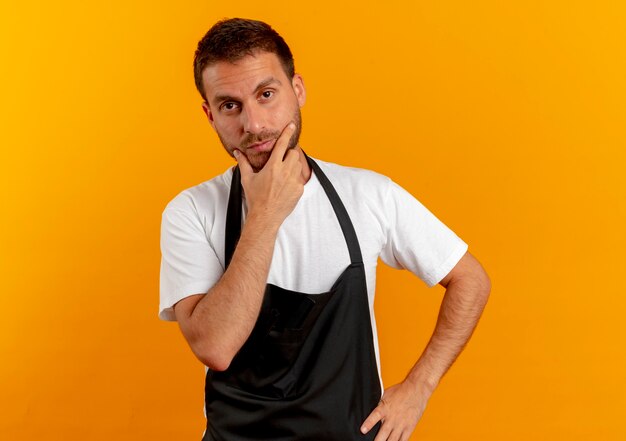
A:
258,160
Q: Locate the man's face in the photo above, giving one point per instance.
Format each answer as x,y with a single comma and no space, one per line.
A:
250,102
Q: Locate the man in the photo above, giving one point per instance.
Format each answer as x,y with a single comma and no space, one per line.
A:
279,310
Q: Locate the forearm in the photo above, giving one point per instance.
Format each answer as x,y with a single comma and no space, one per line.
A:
217,324
402,405
460,311
223,319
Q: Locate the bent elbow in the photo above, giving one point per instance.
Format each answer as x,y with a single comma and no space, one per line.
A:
218,365
214,361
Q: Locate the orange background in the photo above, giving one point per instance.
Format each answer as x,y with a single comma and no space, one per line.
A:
506,120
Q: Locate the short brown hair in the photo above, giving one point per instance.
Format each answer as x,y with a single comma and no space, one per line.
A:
232,39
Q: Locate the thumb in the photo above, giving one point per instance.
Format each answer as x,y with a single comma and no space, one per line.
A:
244,165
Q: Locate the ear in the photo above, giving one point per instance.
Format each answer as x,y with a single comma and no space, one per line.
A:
298,87
209,114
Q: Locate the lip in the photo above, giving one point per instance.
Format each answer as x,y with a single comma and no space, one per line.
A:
262,146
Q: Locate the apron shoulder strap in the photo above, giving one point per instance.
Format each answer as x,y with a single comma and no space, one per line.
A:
233,215
340,211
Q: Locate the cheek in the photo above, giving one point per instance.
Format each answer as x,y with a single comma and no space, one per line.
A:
227,127
281,116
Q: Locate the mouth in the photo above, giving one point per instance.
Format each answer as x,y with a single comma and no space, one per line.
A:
263,146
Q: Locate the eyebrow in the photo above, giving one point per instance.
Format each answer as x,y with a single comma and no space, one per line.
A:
262,85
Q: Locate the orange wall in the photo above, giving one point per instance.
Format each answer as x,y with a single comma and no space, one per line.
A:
507,121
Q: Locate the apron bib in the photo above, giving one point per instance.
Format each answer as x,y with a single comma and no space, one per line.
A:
308,370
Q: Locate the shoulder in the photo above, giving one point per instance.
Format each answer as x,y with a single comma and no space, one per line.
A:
364,193
356,181
206,196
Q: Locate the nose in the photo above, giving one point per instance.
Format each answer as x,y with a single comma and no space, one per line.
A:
253,119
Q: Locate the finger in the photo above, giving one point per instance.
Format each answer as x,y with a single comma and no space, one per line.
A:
292,159
384,434
395,435
244,165
278,153
371,420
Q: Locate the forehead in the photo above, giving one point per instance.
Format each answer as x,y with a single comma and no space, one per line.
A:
242,76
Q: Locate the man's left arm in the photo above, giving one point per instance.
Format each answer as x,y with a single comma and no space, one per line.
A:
402,405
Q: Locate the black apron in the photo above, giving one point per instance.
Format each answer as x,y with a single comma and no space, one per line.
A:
308,370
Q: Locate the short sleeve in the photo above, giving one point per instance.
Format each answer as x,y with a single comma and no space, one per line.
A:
189,264
417,240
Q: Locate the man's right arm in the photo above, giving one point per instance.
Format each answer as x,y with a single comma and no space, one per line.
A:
217,324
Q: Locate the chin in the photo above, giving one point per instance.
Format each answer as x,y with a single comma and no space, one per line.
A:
258,160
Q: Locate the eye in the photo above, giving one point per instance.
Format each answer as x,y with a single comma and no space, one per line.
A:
229,106
267,94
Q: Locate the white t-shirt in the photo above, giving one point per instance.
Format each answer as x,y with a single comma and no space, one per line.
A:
310,251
